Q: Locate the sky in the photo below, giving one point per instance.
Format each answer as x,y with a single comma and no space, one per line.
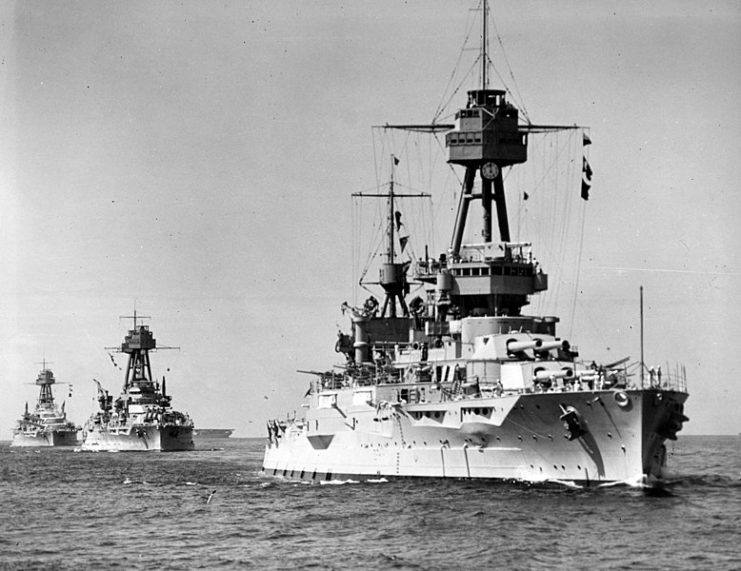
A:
194,161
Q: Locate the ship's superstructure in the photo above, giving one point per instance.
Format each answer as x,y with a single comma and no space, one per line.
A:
47,425
142,417
460,382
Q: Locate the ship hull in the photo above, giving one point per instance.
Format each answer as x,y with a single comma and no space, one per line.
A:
139,438
518,437
51,438
213,432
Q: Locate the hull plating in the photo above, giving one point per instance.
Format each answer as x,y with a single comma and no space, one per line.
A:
139,438
518,437
46,439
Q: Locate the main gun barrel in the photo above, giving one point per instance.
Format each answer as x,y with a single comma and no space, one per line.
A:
556,344
546,374
518,346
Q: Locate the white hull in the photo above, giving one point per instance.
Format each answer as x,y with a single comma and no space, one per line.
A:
49,438
518,437
139,438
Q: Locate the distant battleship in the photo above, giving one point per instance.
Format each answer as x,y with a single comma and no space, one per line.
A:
213,432
47,425
459,383
142,417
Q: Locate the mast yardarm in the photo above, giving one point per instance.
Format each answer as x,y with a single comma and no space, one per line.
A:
392,273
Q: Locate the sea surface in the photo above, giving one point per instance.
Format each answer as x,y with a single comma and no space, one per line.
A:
61,509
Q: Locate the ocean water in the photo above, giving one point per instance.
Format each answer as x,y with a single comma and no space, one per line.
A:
61,509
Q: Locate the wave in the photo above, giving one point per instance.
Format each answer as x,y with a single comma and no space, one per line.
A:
567,483
709,480
639,481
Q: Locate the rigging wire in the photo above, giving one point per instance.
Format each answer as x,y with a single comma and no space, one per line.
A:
475,65
578,271
468,74
511,73
405,148
547,217
442,106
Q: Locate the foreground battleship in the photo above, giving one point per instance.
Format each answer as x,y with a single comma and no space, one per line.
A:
142,417
47,425
460,383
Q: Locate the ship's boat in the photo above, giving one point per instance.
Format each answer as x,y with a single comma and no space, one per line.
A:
142,417
47,425
459,382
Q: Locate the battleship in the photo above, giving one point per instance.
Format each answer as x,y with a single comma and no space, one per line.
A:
213,432
47,425
142,417
459,382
